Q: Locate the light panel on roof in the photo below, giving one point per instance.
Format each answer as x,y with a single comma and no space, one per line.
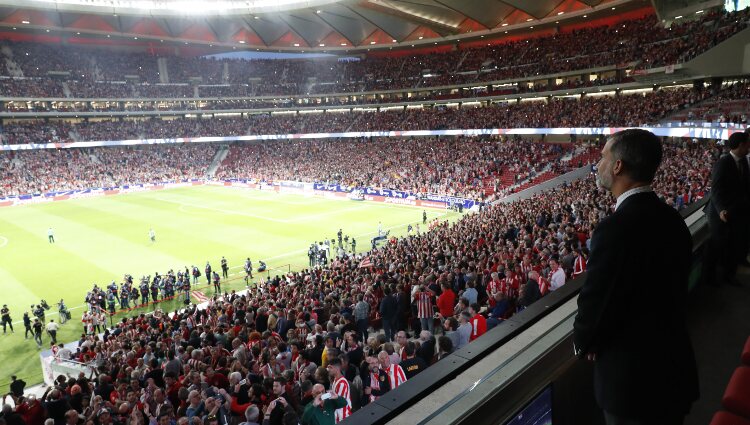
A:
186,6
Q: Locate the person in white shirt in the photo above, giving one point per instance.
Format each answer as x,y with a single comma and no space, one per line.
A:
64,353
52,328
51,235
557,275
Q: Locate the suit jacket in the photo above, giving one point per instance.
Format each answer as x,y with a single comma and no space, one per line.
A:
389,308
632,308
727,191
531,293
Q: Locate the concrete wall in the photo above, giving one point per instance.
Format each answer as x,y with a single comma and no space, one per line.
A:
549,184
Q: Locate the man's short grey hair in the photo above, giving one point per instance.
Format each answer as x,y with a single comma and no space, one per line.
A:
235,377
640,152
252,413
49,422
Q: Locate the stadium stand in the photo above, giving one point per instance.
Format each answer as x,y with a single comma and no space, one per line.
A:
275,343
642,42
233,361
588,111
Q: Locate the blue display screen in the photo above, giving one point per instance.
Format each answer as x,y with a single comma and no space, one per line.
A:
537,412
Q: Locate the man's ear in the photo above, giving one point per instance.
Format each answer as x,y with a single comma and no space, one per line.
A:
618,167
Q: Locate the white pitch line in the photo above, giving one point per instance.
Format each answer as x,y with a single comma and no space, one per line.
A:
229,212
328,213
3,241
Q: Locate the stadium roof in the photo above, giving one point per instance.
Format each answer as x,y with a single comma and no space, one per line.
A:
297,25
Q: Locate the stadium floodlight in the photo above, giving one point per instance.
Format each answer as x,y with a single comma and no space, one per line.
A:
185,7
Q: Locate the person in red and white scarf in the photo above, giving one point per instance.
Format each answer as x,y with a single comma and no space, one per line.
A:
493,287
378,382
556,275
396,375
526,266
340,386
579,265
542,281
511,284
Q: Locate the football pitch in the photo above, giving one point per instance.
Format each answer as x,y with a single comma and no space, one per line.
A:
98,240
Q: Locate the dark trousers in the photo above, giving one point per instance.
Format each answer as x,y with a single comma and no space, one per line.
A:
28,331
225,273
53,336
611,419
7,322
388,326
362,329
727,247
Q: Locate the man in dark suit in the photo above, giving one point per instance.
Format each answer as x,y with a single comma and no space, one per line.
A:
388,313
631,309
728,212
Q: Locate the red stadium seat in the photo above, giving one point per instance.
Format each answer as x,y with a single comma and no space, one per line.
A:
746,353
726,418
737,395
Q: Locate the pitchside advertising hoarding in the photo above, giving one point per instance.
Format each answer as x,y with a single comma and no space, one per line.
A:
91,193
398,197
299,188
717,131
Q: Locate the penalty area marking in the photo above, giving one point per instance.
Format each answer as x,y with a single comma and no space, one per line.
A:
228,212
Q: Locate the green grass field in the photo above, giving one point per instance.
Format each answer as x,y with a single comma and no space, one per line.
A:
101,239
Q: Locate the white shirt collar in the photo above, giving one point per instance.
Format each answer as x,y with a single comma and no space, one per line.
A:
737,158
631,192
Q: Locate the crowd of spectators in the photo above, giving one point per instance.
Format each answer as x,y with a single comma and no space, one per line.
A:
731,105
55,170
588,111
150,97
468,167
644,42
35,131
267,356
452,166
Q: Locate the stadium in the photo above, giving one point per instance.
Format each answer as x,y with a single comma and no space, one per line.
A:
374,211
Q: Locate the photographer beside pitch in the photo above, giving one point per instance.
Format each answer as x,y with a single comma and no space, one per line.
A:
644,366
